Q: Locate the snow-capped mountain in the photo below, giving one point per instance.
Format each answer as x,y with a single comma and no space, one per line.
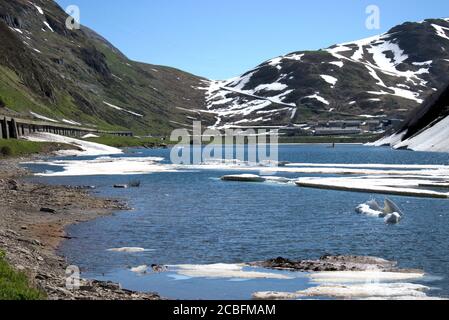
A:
382,76
77,77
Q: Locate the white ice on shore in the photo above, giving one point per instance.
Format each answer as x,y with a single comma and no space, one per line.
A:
226,271
88,148
107,166
390,140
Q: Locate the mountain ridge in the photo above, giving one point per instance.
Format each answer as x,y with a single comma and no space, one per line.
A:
79,77
344,80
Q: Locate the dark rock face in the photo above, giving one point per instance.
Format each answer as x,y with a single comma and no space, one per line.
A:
96,60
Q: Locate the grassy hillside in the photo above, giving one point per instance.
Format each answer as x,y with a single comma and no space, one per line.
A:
69,75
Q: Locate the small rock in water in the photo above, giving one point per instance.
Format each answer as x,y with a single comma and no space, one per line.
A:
121,186
158,268
244,178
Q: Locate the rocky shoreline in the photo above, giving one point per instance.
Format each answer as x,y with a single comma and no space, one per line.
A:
32,222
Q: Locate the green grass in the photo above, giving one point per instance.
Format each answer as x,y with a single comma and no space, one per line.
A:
123,142
14,148
17,148
15,285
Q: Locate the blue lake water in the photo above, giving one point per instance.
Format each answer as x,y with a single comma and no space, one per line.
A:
195,218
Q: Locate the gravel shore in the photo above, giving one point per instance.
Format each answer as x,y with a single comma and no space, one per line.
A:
32,222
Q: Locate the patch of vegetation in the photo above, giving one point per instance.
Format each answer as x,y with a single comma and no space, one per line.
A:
15,285
17,148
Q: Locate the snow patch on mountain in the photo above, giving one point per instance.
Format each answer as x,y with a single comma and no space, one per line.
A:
48,26
316,96
329,79
121,109
275,86
39,9
337,63
41,117
441,31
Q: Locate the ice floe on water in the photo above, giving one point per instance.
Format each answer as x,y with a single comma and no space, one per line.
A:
140,269
363,276
358,285
129,250
413,186
226,271
375,291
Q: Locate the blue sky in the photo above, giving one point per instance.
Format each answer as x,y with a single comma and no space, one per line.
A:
220,39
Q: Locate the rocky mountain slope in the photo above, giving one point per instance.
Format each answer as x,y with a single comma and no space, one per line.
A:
382,76
76,77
